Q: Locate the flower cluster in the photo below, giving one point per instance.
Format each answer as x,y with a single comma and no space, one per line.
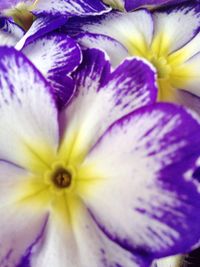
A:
99,132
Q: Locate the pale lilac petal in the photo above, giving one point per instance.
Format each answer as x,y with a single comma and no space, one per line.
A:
141,193
28,112
102,97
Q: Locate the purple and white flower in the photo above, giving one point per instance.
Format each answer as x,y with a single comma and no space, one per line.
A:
54,54
107,181
168,38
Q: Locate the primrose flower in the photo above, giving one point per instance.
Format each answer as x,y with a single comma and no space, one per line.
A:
107,181
168,38
54,54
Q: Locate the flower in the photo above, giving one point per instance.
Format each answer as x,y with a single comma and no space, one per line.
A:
107,181
54,54
158,37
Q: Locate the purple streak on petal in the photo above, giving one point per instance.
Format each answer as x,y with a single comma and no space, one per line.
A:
89,68
40,27
184,214
25,259
146,77
130,4
10,33
71,7
63,88
74,25
115,50
56,56
196,174
11,163
5,52
143,258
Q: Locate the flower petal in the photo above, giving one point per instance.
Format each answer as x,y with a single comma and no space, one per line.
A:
10,33
55,55
169,23
16,220
187,76
188,100
80,244
130,5
28,112
143,197
71,7
102,97
40,27
134,30
115,50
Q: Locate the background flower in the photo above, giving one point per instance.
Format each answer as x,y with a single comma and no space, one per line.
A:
157,37
56,55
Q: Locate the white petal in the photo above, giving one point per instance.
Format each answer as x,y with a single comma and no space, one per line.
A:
168,27
116,51
28,112
80,244
134,30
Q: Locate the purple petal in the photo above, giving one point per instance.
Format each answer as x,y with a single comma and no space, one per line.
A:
71,7
144,198
39,28
64,89
130,4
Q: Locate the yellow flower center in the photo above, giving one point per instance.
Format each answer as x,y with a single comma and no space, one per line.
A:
171,71
56,180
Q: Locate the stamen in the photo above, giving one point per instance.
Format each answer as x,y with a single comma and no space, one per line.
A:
62,178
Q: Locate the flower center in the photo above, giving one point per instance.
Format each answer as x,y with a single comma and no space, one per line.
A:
62,178
162,66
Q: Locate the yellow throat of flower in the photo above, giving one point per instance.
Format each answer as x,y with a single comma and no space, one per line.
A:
22,14
171,72
56,181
